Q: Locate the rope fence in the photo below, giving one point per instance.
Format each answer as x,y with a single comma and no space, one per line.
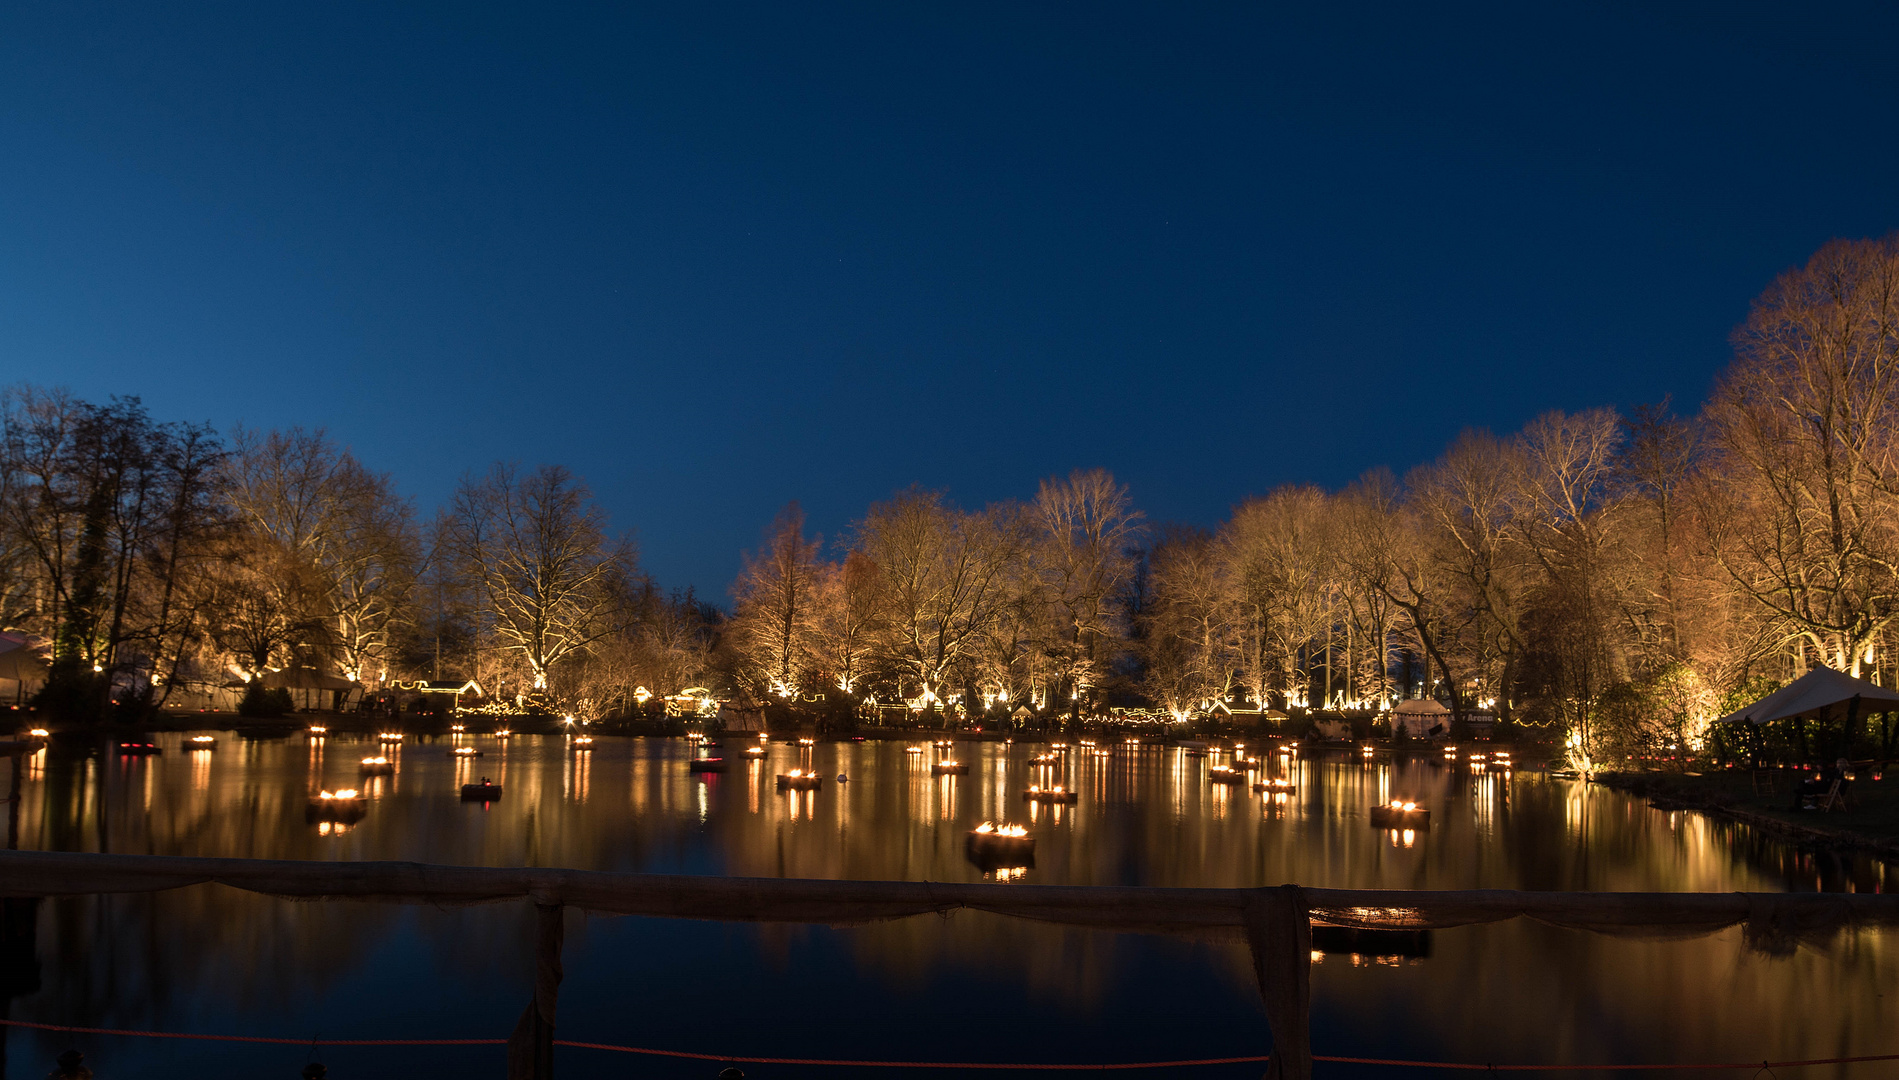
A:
1274,922
992,1065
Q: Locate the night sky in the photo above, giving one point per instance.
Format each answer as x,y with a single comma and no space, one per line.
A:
726,257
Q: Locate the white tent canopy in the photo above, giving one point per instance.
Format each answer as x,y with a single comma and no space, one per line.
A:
1814,695
19,660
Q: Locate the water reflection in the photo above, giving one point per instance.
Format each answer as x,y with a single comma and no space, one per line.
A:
214,959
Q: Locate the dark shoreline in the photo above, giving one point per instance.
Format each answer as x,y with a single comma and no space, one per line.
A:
1668,791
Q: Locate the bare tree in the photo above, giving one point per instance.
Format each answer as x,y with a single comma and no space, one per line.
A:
775,622
347,550
1278,571
1087,525
848,626
107,508
943,578
1187,641
1805,518
535,548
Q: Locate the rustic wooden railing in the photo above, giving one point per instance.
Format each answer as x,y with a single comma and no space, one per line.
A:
1275,922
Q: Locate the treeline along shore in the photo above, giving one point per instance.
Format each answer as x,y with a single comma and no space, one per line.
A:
1613,580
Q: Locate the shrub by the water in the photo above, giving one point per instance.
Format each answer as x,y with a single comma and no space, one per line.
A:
260,702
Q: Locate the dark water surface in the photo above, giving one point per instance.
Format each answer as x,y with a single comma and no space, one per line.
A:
972,987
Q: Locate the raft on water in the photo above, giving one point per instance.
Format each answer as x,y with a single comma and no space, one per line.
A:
1049,795
201,742
464,752
799,780
706,764
378,766
1275,787
344,805
949,768
1226,774
482,792
991,846
1397,814
139,749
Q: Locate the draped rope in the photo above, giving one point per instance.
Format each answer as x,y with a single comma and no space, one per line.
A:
1773,919
1276,923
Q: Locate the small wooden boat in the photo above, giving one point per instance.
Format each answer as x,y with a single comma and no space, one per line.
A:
800,780
485,791
706,765
139,749
949,768
201,742
1049,795
1226,774
378,766
1397,814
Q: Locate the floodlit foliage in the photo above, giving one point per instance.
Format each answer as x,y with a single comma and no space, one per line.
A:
1613,580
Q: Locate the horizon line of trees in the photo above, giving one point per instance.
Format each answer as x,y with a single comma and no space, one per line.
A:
1616,578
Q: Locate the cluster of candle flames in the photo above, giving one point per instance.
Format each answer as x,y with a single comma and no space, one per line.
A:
990,828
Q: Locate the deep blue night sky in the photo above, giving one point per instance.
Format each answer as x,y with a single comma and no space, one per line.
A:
726,257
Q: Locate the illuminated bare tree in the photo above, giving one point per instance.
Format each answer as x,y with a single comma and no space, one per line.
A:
775,622
348,554
1277,569
535,549
1086,526
848,626
943,578
1187,639
1804,516
108,509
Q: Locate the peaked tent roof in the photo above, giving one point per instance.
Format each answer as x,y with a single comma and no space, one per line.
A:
19,659
1421,707
303,678
1813,694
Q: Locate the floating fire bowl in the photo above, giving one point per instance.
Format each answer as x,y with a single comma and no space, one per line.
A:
1400,815
799,780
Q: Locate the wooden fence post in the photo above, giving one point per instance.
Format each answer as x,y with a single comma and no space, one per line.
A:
531,1046
1279,932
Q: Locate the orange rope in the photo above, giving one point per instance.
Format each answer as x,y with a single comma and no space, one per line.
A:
939,1064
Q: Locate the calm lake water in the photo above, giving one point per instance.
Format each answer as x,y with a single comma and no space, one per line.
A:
971,987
